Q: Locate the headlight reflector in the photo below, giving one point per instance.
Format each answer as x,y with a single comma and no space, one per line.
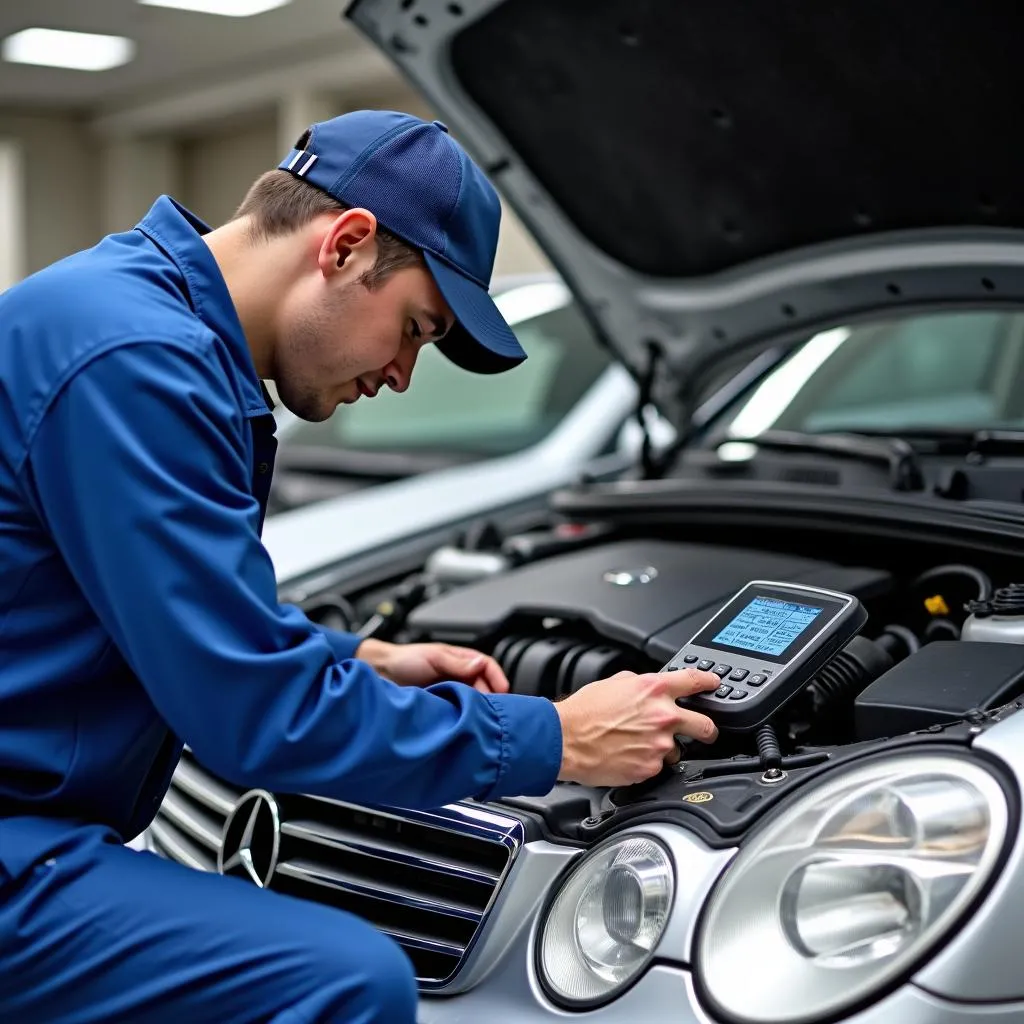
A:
849,885
606,920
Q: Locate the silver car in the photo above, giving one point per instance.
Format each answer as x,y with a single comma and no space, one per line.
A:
799,227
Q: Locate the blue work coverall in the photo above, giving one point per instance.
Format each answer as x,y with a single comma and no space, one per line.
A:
138,611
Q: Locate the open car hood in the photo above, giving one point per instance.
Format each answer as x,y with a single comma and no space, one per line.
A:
714,174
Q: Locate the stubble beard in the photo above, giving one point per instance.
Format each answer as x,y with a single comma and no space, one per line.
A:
305,347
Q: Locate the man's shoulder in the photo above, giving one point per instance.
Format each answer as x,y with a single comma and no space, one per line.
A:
59,321
118,290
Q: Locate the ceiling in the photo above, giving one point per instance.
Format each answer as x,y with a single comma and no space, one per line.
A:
175,49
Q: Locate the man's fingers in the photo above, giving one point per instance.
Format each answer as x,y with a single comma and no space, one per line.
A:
478,670
687,681
485,674
461,660
696,726
494,677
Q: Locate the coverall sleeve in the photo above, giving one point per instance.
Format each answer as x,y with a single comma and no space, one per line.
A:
141,477
343,645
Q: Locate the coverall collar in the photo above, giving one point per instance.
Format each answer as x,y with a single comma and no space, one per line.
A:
178,232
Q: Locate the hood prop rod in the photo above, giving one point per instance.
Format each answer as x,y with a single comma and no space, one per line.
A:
648,463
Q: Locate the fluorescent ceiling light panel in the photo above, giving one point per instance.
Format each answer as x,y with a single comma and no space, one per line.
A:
228,8
82,51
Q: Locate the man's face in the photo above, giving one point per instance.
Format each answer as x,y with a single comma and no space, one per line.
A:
339,341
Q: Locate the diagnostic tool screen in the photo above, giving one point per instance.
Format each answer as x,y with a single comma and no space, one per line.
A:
767,626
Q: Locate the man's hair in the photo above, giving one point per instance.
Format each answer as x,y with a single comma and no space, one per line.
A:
278,203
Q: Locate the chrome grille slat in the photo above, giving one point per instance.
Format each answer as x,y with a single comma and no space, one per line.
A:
426,878
443,822
401,931
194,824
427,945
204,788
342,839
319,875
179,847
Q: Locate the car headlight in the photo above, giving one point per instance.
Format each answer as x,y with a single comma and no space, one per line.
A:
848,886
606,920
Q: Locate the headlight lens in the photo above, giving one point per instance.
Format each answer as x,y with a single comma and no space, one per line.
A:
606,921
848,886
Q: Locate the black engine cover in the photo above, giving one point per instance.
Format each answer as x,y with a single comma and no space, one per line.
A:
650,596
941,683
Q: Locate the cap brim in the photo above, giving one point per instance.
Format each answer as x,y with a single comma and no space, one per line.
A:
480,341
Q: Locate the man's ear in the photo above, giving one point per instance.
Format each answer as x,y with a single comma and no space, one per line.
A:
350,240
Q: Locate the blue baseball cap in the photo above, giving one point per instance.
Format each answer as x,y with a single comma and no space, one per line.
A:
422,187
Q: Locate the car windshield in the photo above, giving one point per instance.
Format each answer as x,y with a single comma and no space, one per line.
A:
449,410
940,372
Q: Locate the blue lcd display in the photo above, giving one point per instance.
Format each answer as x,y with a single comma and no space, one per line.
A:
767,625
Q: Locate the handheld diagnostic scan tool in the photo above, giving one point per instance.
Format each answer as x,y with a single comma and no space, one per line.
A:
766,644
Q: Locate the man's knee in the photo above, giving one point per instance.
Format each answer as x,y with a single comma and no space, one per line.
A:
394,983
385,992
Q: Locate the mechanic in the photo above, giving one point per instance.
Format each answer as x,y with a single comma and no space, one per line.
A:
138,607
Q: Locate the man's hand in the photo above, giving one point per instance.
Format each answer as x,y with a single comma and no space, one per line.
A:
426,664
621,730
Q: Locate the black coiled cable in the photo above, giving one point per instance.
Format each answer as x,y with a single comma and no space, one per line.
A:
768,748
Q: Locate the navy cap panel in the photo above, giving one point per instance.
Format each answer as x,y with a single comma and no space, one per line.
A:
421,162
473,232
343,148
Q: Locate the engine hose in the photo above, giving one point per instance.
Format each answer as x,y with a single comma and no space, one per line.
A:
941,629
390,615
320,609
768,747
981,579
898,641
860,662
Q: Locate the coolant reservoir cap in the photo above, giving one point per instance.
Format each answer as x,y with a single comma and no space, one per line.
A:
1005,602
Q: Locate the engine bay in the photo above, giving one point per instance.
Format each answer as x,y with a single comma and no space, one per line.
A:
941,654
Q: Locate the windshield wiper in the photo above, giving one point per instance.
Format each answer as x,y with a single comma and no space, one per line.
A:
955,440
894,452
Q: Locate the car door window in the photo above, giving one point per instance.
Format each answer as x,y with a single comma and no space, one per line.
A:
916,366
942,370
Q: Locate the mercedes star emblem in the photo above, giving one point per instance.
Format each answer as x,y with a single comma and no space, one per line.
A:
251,840
631,577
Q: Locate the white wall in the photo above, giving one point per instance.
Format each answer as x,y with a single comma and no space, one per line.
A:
61,207
517,253
133,172
12,221
219,166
